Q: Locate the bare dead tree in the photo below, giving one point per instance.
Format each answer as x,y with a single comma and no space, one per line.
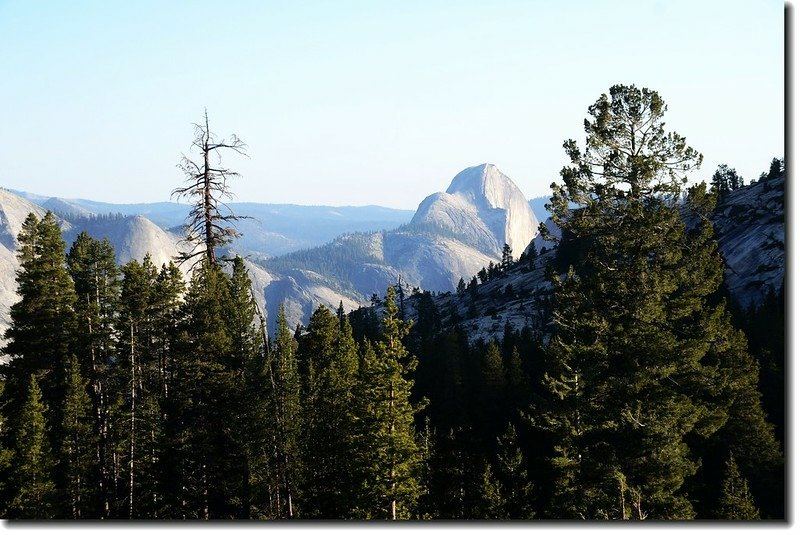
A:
208,225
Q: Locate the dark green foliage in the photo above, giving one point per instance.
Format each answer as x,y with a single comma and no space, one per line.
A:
746,433
735,501
93,269
41,335
492,408
492,507
765,327
457,481
78,448
631,367
330,353
6,453
286,425
514,486
33,461
725,180
198,423
507,258
777,167
246,467
385,448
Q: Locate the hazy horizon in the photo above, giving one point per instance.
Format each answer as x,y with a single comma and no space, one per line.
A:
355,103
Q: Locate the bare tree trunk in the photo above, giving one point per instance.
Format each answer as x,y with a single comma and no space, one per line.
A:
205,491
392,460
152,464
131,463
208,199
116,475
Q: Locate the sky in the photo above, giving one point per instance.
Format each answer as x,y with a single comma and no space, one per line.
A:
346,102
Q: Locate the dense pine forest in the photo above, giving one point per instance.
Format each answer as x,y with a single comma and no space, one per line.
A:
645,392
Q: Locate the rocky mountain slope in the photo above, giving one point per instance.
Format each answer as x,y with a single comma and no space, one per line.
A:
750,228
451,236
132,237
750,224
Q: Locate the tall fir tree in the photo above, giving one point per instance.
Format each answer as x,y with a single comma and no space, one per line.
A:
492,392
331,353
92,266
166,311
78,448
515,487
139,379
285,420
735,501
385,445
196,426
36,494
42,331
247,398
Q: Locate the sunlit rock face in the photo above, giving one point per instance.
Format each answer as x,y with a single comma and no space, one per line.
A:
482,208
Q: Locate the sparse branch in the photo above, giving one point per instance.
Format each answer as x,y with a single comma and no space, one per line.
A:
206,185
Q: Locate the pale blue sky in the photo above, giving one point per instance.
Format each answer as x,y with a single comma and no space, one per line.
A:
368,102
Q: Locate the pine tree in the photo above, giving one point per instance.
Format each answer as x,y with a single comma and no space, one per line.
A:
246,400
42,328
492,508
461,286
518,387
331,352
777,167
629,371
385,446
6,454
92,267
285,400
33,461
166,311
315,350
507,258
197,426
735,501
491,393
140,379
746,433
516,490
157,435
78,448
739,424
456,483
724,180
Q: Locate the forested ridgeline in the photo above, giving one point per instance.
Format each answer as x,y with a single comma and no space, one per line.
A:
134,394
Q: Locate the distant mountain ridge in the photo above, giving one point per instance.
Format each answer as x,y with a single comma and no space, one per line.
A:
430,251
272,230
359,259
